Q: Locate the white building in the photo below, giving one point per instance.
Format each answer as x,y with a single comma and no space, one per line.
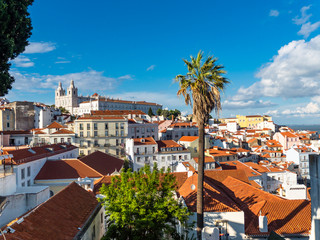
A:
141,128
300,156
44,115
147,151
53,134
79,104
141,151
27,162
177,130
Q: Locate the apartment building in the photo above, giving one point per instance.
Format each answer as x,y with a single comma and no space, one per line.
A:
103,133
179,129
7,119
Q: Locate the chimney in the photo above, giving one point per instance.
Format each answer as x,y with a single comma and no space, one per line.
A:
263,223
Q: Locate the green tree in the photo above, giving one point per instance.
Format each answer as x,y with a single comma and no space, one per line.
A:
201,88
175,113
159,111
141,205
15,29
150,113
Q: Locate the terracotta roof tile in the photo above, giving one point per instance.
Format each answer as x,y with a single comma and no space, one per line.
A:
103,163
58,218
144,141
66,169
188,138
63,131
55,125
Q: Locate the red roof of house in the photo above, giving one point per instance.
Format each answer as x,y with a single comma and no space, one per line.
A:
103,163
63,131
144,141
61,217
31,154
188,138
215,200
167,144
55,125
284,216
117,112
66,169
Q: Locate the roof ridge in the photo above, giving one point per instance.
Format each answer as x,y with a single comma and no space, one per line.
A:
90,167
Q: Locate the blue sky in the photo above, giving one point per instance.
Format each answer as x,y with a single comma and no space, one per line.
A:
133,50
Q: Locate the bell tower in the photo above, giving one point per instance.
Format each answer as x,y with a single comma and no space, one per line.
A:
59,95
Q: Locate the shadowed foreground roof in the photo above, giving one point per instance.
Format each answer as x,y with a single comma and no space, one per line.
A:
58,218
103,163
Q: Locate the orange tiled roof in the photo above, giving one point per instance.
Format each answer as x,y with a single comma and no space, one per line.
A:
25,155
63,131
284,216
55,125
188,138
167,144
103,163
66,169
60,217
215,200
144,141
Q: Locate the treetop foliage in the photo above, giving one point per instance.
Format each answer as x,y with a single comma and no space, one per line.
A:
142,205
14,31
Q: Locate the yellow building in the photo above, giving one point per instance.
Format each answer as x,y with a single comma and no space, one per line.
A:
7,121
106,134
251,121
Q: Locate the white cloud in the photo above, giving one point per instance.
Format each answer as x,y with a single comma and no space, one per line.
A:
23,61
151,67
308,28
61,62
304,16
293,72
87,80
274,13
40,47
126,77
246,104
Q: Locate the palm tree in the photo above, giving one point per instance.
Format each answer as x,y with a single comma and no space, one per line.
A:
201,88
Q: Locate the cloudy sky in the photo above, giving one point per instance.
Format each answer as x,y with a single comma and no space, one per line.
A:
134,49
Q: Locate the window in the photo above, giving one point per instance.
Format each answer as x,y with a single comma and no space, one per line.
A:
95,133
174,157
95,126
106,133
122,125
117,133
138,151
8,124
28,171
81,134
96,143
23,184
28,183
169,158
81,143
117,125
117,142
117,151
88,126
153,149
106,126
89,143
122,133
62,140
55,140
81,126
145,150
69,140
88,133
138,159
22,173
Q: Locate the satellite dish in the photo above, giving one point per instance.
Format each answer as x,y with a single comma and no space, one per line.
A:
207,233
193,187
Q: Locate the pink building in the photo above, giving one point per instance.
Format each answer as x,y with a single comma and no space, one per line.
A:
287,139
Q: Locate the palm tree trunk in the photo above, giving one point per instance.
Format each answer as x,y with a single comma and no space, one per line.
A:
200,181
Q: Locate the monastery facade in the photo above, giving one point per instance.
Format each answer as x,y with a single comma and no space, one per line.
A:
79,105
